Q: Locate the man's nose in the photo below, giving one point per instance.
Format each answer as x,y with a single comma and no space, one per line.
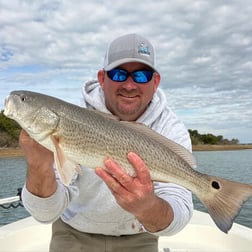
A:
129,84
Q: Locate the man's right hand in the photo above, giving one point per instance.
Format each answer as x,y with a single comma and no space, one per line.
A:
40,179
35,153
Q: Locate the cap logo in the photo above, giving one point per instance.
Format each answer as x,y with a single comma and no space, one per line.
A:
142,49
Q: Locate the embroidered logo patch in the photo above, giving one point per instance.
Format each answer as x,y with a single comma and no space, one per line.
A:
143,49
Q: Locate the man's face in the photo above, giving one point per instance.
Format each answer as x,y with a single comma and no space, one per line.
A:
128,99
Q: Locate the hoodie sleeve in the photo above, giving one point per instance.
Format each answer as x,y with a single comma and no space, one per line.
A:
46,210
180,200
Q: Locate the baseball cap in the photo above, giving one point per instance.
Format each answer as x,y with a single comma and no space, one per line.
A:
129,48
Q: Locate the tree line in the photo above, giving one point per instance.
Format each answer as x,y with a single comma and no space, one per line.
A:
209,138
9,133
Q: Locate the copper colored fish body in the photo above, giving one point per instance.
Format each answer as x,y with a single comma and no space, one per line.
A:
81,136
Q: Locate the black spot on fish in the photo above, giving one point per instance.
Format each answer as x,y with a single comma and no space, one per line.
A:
215,185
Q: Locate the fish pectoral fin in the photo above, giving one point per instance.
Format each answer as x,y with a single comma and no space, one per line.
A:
78,169
65,167
67,172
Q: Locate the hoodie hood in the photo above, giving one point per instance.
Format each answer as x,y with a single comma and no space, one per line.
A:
94,98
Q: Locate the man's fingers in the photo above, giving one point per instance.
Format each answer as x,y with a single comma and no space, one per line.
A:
110,181
117,172
142,172
106,177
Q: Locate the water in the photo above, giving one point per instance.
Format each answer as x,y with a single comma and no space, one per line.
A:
234,165
12,176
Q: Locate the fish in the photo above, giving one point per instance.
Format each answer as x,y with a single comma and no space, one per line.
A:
80,136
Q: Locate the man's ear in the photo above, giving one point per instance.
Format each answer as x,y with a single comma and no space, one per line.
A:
157,79
100,77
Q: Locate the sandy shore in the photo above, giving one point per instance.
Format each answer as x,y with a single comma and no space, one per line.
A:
206,147
17,152
10,152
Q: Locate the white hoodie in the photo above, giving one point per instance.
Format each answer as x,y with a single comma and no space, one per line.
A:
87,204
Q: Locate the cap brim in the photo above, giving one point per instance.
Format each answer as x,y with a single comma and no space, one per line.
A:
127,60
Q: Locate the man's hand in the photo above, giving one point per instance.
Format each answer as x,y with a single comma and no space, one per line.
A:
33,151
136,194
40,178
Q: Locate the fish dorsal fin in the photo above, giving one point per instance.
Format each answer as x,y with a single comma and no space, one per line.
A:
143,129
173,146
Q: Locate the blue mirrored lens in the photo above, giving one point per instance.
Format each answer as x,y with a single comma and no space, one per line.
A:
139,76
142,76
118,75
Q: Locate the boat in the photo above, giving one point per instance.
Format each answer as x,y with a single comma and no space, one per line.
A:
200,235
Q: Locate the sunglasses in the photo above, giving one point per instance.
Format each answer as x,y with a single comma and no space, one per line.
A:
139,76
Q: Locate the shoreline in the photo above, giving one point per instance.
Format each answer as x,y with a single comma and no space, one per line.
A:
17,152
11,152
221,147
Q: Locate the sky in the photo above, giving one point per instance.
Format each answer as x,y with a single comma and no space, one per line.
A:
203,53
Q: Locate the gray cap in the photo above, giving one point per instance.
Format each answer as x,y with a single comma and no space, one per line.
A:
129,48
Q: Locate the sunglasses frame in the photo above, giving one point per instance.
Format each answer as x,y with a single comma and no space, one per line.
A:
127,74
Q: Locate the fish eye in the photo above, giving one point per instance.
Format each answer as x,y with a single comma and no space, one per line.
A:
23,98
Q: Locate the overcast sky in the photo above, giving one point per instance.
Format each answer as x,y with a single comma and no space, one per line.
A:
203,52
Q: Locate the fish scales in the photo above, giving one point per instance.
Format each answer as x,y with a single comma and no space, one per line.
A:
80,136
116,141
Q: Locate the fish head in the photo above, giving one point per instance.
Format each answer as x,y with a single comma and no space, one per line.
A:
15,106
31,111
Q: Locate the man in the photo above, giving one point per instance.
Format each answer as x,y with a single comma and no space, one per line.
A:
107,210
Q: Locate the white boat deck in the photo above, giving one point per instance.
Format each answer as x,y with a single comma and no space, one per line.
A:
201,235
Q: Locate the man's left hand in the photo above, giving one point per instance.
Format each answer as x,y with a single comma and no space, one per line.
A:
131,193
136,194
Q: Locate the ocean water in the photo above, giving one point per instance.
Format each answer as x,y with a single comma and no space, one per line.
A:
234,165
12,177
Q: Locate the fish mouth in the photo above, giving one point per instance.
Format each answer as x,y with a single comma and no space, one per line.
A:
8,107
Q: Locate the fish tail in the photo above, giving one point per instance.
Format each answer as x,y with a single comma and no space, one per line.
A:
225,200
